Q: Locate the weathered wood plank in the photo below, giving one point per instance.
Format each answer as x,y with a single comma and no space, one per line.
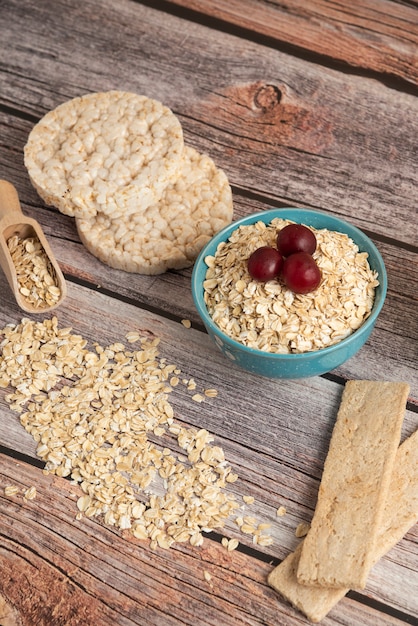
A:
101,577
377,35
281,127
275,442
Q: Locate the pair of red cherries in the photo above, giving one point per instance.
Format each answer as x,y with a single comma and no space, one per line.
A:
292,260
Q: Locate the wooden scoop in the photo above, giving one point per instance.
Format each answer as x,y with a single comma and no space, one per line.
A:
14,223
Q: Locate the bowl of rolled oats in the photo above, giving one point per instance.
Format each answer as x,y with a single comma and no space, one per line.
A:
281,322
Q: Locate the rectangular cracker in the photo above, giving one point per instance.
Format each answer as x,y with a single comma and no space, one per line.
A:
338,549
399,515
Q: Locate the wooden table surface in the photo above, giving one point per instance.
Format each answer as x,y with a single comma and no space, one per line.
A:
307,103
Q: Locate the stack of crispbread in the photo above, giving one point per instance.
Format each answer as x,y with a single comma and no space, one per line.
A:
116,161
368,499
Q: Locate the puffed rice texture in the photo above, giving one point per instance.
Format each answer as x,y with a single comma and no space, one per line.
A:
169,234
112,152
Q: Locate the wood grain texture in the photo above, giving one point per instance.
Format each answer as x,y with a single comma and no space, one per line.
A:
57,570
276,443
282,128
376,35
302,104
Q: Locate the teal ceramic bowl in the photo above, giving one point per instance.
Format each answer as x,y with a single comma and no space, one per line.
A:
291,365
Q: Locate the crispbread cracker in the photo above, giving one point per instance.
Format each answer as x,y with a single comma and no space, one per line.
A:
112,152
399,515
170,233
338,550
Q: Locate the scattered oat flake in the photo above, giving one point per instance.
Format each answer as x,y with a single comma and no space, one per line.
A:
207,576
132,337
30,494
197,397
97,414
265,540
248,499
186,323
211,393
159,431
281,511
11,490
302,529
248,529
232,545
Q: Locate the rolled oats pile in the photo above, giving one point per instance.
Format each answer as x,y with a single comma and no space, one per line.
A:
34,272
116,161
101,415
269,317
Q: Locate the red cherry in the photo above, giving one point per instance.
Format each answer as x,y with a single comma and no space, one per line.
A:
265,263
296,238
301,273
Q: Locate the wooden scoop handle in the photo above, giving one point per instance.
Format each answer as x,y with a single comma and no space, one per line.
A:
9,200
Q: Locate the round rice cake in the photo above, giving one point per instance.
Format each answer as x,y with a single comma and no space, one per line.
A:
170,233
112,152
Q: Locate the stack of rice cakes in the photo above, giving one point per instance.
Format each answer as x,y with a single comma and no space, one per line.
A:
116,161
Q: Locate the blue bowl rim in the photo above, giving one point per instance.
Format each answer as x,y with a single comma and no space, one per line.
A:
290,213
